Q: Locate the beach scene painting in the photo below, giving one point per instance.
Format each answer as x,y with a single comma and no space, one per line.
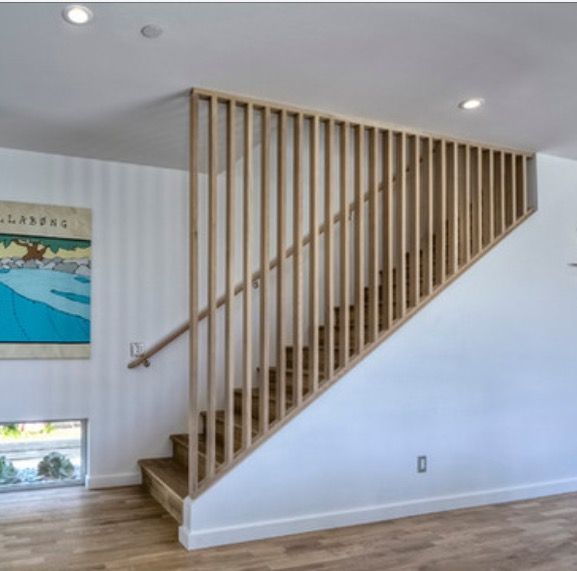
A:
45,281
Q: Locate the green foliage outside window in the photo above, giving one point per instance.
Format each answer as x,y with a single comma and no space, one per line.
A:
55,466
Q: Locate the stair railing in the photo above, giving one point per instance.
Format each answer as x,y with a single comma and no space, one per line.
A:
425,208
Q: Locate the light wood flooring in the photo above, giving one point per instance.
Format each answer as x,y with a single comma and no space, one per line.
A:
126,529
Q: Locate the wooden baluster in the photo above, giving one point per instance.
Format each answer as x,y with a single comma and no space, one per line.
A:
247,278
480,208
488,194
373,238
522,178
401,223
466,204
344,248
509,216
388,236
212,285
359,242
281,257
453,208
492,209
230,277
193,412
313,256
502,201
415,240
264,273
430,214
514,188
440,214
329,339
298,264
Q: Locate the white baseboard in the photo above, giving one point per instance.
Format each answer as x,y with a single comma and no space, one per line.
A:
198,539
113,480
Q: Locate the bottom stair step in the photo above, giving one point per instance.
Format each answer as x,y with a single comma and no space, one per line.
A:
167,482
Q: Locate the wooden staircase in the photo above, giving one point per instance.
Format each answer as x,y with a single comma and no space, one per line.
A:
421,207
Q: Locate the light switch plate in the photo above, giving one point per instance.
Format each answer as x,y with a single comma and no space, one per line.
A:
136,349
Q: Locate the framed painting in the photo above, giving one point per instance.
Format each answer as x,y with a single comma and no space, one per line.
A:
45,281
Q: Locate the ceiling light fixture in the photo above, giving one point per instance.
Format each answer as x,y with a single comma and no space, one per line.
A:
471,104
77,14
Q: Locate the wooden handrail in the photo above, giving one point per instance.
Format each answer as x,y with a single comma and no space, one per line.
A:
144,359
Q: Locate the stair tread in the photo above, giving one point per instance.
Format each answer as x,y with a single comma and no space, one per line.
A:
170,473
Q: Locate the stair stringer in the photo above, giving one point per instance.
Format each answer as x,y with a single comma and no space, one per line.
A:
262,496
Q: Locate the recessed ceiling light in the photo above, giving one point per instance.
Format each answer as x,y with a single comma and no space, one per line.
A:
151,31
471,104
77,14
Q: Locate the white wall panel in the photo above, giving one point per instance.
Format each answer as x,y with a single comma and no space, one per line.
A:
139,292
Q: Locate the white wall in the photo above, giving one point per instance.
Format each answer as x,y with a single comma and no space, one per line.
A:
483,381
139,293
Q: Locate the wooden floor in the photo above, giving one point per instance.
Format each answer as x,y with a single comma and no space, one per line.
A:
126,529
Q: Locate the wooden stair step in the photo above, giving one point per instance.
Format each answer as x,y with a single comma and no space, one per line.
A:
220,430
167,482
180,449
238,400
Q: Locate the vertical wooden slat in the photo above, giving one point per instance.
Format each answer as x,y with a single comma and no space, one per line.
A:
247,280
193,412
514,188
452,206
264,272
523,185
329,339
430,212
314,255
441,213
509,207
359,240
491,197
212,286
230,277
344,329
488,196
401,223
480,213
281,248
465,195
502,201
373,252
388,236
415,259
297,261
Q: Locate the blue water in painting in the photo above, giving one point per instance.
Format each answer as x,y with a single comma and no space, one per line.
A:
44,306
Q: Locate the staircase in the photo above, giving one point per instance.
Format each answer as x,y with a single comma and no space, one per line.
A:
408,205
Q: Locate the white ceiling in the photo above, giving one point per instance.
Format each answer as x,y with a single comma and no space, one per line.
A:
103,91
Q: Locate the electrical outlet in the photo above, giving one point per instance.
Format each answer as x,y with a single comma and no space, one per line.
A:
136,349
421,464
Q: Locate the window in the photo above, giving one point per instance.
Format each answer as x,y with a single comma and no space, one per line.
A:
37,454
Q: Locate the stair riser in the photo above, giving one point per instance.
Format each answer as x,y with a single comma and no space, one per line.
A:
162,494
180,452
